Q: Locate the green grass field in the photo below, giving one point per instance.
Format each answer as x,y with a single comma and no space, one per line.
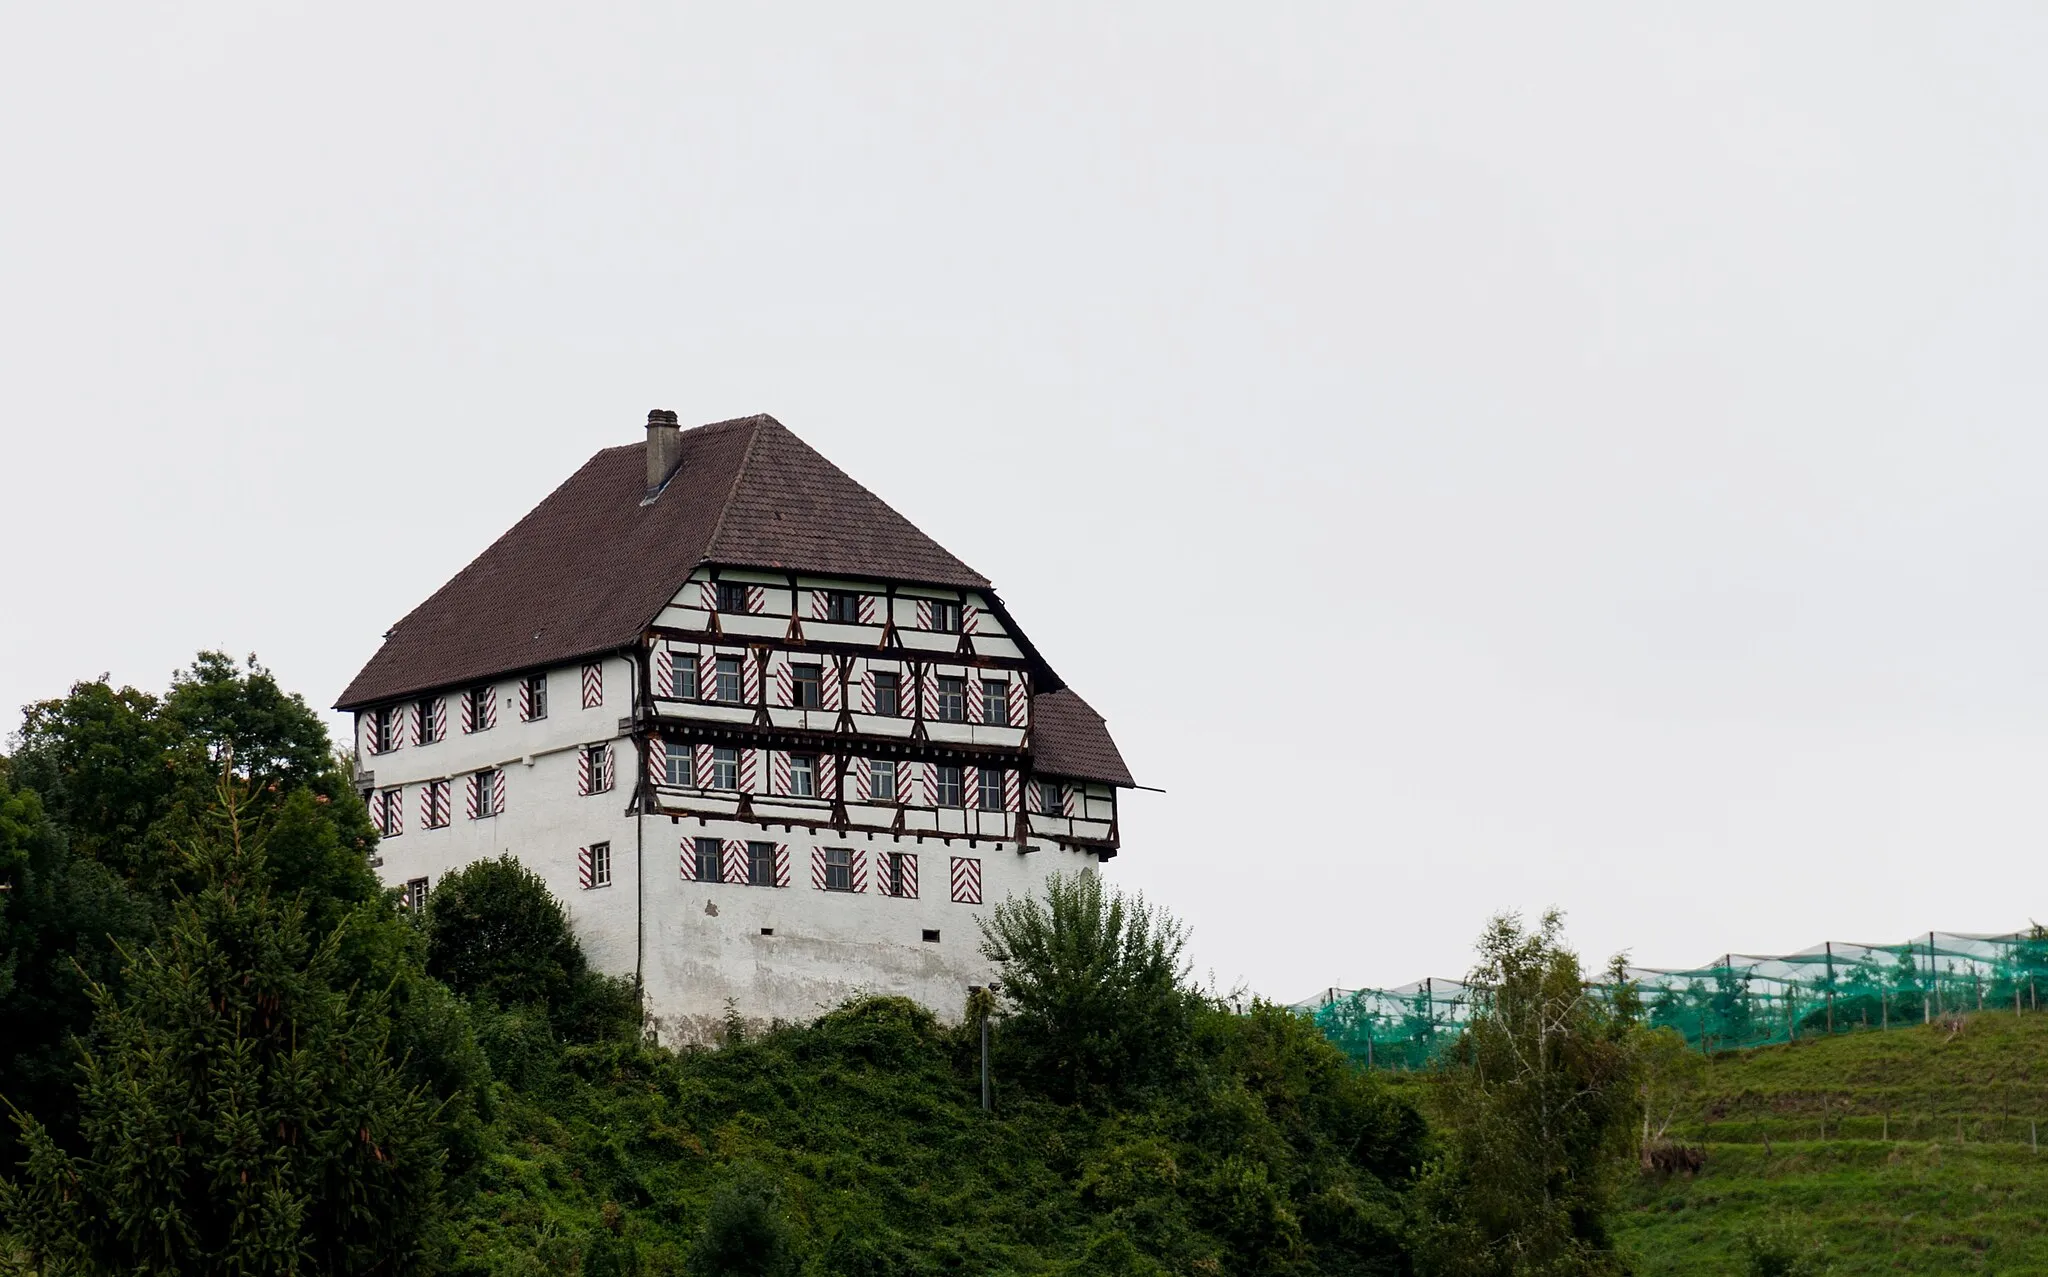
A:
1910,1151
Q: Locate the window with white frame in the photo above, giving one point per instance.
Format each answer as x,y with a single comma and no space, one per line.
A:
946,781
600,864
725,767
426,717
536,696
482,712
383,730
989,790
414,897
597,768
896,873
882,780
440,801
1050,798
995,702
683,675
387,812
888,694
729,688
803,775
951,699
946,617
483,793
681,769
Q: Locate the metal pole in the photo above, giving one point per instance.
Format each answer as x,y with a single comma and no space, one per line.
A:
1831,986
984,1063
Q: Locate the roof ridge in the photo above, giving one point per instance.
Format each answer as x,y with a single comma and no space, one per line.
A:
738,472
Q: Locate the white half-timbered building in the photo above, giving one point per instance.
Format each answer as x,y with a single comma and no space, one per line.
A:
769,741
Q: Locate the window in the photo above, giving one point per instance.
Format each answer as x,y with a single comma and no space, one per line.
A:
946,617
725,767
882,780
426,717
680,771
838,869
440,800
842,606
383,730
483,793
482,709
989,792
535,696
729,688
806,686
414,897
760,864
596,769
931,935
1049,798
803,775
683,675
708,853
387,812
732,597
951,699
947,777
899,874
600,864
995,702
889,694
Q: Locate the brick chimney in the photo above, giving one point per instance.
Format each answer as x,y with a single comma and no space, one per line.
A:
664,447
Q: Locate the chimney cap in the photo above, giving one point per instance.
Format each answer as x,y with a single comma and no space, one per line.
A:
661,417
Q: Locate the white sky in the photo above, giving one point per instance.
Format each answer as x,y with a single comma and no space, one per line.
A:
1477,459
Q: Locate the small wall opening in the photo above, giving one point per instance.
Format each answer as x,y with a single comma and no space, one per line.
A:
931,935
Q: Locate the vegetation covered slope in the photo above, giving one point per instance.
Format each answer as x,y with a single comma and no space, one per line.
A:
1908,1151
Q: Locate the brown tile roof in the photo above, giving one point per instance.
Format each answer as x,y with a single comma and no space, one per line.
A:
1068,738
587,570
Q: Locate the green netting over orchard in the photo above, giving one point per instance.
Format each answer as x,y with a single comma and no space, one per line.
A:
1741,1000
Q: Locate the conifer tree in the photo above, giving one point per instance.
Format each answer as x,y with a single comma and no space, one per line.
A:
239,1112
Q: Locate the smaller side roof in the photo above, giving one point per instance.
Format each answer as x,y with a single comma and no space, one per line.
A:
1068,738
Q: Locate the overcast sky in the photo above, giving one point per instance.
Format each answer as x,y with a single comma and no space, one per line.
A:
1476,457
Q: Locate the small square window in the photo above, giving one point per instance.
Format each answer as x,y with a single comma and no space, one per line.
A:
767,931
947,781
838,869
889,694
989,790
732,597
951,701
725,767
803,775
882,780
806,686
709,857
760,864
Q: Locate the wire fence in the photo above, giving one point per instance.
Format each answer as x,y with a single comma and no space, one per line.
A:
1742,1000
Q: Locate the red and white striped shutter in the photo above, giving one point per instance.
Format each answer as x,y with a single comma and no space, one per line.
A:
733,860
609,775
749,775
700,764
583,867
785,681
664,672
366,731
427,805
910,875
525,701
818,868
751,689
817,605
969,615
757,598
867,609
924,614
782,864
778,771
1020,702
860,869
440,717
593,685
468,714
490,708
707,595
472,794
1013,790
686,860
973,690
657,762
828,690
498,792
828,765
966,880
970,787
867,690
583,777
1070,800
857,779
927,785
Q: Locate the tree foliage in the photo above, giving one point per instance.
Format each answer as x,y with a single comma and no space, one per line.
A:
1095,988
238,1110
1540,1105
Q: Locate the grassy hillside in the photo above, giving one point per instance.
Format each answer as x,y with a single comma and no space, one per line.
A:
1910,1151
